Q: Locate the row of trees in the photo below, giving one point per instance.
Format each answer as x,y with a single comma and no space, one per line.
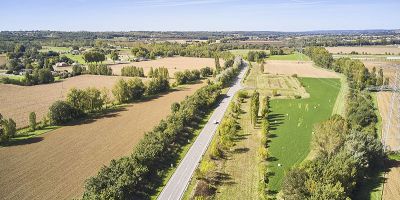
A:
346,148
187,76
132,71
263,151
256,56
133,177
94,56
357,74
254,107
167,49
99,69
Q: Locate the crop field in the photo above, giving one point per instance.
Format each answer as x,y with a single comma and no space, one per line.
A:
294,57
367,49
302,69
18,101
56,164
292,121
173,64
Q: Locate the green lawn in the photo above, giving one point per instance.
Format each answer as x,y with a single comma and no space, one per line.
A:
292,121
294,56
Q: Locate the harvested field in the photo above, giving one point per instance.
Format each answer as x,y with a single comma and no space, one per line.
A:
387,66
18,101
302,69
366,49
55,165
173,64
392,184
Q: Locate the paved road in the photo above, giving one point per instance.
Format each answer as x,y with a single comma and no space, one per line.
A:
177,184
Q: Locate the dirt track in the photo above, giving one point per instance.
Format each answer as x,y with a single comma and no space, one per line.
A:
302,69
392,185
55,165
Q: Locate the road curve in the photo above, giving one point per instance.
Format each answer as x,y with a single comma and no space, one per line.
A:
179,181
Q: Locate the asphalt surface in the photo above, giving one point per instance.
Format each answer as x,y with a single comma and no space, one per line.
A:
179,181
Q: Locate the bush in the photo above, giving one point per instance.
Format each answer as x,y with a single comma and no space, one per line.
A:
77,70
8,129
61,112
206,72
32,121
99,69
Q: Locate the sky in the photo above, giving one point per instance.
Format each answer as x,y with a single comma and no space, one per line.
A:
198,15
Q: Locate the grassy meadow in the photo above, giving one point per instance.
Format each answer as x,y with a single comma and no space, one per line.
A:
292,121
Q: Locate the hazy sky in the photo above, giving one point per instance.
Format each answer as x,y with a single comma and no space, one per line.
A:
195,15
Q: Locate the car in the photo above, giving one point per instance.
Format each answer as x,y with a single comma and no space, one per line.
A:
216,122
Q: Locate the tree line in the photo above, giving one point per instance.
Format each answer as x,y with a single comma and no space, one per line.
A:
136,176
347,149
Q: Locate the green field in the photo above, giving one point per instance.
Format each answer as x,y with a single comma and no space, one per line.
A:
55,49
77,58
294,56
292,121
243,52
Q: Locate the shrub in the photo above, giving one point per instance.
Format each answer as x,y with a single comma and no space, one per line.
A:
8,129
132,71
61,112
32,121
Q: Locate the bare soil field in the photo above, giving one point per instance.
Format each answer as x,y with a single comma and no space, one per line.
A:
55,165
302,69
173,64
366,49
392,184
18,101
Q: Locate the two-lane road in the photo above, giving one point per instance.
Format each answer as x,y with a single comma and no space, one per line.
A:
177,184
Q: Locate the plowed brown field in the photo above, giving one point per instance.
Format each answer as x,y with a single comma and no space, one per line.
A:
55,165
173,64
18,101
367,49
302,69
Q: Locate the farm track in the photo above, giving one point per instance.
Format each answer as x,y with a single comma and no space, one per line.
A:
55,165
391,187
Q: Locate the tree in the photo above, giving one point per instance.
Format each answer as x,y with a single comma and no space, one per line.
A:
32,121
93,56
136,88
217,65
114,56
294,185
121,91
254,107
8,129
61,112
379,78
329,136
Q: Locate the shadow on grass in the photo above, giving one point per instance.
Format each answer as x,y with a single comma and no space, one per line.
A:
275,120
14,142
241,150
374,180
